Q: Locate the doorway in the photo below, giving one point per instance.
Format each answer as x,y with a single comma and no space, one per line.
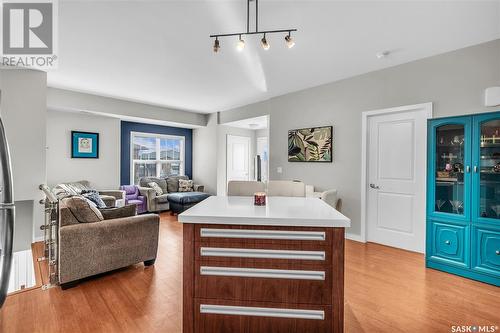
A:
394,176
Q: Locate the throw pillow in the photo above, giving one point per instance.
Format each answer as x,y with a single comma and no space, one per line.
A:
156,187
185,185
94,196
84,210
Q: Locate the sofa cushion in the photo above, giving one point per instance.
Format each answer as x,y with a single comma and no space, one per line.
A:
83,209
185,185
156,187
162,198
109,200
120,212
173,183
184,198
161,182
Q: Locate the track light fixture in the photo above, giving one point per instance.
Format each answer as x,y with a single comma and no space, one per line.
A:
241,44
265,44
289,41
216,45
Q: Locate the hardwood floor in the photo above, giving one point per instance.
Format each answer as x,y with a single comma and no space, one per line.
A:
386,290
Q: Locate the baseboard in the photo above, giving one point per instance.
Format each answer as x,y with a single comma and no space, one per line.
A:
354,237
38,239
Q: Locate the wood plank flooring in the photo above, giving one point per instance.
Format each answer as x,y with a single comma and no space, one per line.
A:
386,290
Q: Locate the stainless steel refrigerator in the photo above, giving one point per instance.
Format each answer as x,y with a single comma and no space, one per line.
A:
7,211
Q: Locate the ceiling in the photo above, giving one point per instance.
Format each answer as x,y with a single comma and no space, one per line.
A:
159,52
256,123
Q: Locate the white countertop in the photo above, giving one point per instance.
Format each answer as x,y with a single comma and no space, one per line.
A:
279,211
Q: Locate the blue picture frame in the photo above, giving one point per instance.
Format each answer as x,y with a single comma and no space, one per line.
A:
84,144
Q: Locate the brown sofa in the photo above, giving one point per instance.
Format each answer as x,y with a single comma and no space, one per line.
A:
75,188
121,239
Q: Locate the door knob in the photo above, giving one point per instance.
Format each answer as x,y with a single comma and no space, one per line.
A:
374,186
447,242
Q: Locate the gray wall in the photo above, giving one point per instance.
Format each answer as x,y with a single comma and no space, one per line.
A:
103,172
205,155
23,112
66,100
454,82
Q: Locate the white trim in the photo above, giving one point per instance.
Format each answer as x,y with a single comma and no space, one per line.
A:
262,312
354,237
263,234
263,273
428,107
261,253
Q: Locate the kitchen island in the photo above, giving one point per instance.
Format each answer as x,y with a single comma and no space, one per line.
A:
274,268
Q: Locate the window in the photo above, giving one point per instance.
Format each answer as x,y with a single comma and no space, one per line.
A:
155,155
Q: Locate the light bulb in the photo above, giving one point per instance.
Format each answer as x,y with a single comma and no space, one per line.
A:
241,45
289,41
216,45
265,44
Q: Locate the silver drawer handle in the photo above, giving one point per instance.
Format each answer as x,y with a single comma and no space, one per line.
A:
447,242
263,273
261,253
262,312
497,252
263,234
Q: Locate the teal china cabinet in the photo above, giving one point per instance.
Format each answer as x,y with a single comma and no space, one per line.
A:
463,196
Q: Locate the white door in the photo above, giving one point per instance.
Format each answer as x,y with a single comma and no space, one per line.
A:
263,151
238,158
396,176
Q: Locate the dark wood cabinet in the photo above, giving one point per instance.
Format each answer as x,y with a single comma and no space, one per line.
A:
263,279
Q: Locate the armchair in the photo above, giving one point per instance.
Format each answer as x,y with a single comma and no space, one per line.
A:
133,197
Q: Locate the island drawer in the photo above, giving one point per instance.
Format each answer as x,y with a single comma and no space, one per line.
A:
258,317
263,234
250,253
282,283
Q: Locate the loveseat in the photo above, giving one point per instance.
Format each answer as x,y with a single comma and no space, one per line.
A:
169,185
114,238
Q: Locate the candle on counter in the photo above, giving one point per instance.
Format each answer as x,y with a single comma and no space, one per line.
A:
259,198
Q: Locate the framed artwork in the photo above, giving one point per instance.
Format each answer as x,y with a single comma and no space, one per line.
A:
84,145
310,144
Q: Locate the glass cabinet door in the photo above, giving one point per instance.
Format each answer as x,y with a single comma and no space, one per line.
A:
487,168
449,168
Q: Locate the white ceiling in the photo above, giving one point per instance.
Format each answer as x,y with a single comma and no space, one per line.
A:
256,123
159,52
